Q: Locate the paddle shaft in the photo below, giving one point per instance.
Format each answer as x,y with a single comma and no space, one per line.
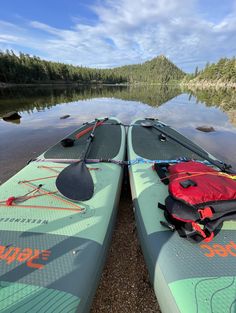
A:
89,140
213,162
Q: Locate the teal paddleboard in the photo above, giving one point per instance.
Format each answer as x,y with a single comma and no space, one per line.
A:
187,277
52,250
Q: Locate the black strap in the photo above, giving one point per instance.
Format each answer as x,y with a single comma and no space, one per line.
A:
185,230
161,169
161,206
222,208
192,236
168,225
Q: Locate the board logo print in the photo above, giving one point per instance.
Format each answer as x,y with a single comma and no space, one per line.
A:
32,257
23,220
219,250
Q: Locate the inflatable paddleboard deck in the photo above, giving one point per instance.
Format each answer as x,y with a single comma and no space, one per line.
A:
187,277
52,250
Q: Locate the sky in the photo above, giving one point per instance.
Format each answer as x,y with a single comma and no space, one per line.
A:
109,33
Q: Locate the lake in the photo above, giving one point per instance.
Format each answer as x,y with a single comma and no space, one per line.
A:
40,125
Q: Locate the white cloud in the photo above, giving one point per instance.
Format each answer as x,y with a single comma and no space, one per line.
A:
8,33
131,32
9,39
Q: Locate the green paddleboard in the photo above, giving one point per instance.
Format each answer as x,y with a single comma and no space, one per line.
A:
52,250
187,277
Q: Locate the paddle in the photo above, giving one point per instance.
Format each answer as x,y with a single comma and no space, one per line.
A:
218,164
75,181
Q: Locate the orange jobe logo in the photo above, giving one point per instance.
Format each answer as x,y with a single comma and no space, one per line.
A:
219,250
32,257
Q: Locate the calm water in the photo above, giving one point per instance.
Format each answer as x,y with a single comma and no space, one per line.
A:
41,109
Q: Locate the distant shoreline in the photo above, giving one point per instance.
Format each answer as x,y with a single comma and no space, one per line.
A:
50,84
208,84
190,84
63,84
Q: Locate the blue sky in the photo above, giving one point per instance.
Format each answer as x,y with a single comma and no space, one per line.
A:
106,33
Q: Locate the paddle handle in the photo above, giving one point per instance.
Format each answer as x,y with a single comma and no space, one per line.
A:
85,131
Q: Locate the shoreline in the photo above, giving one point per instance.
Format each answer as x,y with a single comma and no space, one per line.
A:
207,85
56,84
182,84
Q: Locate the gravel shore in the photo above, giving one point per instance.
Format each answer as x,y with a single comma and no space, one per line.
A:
125,285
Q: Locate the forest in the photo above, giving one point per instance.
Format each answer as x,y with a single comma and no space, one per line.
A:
26,69
222,71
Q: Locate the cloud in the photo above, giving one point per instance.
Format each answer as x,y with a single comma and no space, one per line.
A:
132,32
8,39
8,33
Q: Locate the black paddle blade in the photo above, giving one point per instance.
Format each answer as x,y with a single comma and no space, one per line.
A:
75,182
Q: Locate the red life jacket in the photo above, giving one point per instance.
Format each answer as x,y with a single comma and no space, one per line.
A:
208,185
201,198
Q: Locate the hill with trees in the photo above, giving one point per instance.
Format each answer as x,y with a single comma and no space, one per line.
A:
221,73
159,69
25,69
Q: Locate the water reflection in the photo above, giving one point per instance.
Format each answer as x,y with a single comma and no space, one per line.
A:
30,98
223,98
42,108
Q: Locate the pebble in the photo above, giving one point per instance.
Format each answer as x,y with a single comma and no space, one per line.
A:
64,117
206,129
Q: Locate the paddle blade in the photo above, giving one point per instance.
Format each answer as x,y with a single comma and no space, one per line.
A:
75,182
